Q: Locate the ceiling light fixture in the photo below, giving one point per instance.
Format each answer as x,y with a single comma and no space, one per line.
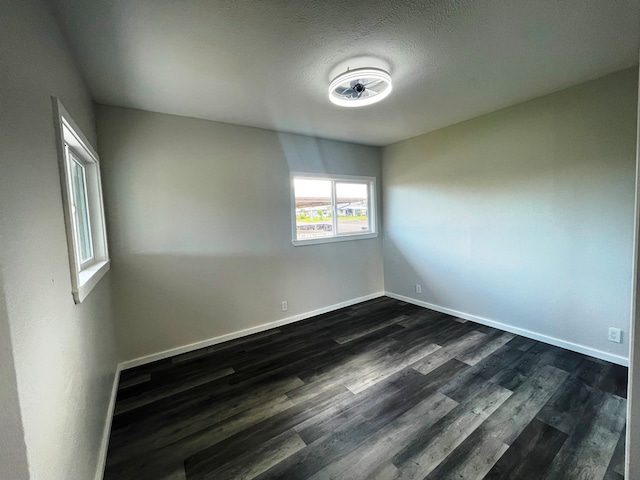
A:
360,87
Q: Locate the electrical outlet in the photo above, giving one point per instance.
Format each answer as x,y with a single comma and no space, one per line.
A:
418,288
615,335
285,307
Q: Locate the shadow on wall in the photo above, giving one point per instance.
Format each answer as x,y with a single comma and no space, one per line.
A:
169,301
166,301
199,221
523,253
445,282
524,216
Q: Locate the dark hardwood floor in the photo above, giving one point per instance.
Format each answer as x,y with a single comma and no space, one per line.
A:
380,390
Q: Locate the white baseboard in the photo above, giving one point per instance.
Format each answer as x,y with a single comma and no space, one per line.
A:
104,444
136,362
518,331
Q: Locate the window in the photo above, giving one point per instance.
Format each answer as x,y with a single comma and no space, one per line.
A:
82,204
332,208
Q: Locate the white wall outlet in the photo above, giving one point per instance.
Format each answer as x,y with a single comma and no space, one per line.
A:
418,288
615,335
285,307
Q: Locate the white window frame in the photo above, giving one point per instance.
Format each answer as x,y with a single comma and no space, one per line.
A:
73,146
336,237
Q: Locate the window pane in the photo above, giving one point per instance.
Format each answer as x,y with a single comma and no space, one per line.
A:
81,211
353,207
313,208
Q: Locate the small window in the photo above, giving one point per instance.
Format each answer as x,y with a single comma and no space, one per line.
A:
83,206
332,208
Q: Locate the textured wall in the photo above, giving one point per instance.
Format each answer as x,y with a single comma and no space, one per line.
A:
523,216
64,354
199,220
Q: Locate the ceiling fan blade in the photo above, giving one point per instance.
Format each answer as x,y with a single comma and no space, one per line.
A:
343,91
373,82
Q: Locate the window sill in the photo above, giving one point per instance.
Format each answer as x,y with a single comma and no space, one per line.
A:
345,238
88,279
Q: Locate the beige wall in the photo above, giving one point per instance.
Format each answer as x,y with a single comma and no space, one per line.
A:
524,216
199,219
64,354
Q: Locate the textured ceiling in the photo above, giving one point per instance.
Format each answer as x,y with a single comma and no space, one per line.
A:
268,63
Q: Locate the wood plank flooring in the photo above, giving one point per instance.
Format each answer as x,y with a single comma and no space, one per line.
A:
381,390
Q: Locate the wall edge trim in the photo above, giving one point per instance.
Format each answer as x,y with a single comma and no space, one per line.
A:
575,347
136,362
104,444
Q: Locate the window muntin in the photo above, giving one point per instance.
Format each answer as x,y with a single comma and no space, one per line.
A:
332,208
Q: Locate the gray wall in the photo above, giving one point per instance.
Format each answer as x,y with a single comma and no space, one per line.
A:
198,214
64,354
633,411
524,216
13,451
